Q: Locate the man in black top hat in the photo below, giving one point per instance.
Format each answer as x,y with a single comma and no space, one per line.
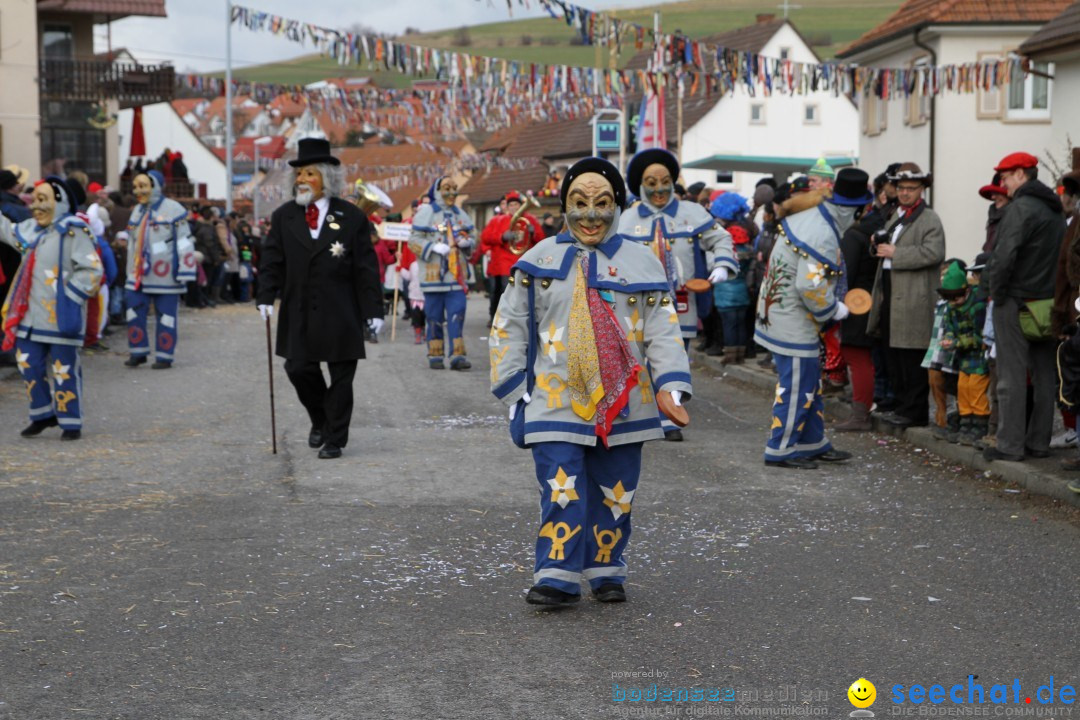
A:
319,257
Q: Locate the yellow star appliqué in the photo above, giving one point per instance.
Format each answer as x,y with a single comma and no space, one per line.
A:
562,488
618,499
51,275
636,327
498,329
60,372
551,340
337,249
21,358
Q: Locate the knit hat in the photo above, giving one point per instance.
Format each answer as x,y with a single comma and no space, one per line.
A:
954,283
822,169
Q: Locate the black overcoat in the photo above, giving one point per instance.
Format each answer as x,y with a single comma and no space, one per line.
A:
329,286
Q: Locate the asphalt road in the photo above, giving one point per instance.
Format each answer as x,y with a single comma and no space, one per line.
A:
169,566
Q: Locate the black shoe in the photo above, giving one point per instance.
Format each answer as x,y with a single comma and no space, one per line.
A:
436,364
673,435
550,597
39,426
833,456
460,363
1036,453
71,435
992,453
135,361
161,365
793,463
901,421
315,438
329,452
714,350
610,593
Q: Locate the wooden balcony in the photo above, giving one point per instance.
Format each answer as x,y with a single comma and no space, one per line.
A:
90,81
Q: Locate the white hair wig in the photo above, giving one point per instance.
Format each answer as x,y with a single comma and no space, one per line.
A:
333,177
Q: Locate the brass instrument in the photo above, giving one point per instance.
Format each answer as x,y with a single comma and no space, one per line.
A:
365,198
521,242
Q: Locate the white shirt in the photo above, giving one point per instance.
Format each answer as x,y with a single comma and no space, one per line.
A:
887,265
323,204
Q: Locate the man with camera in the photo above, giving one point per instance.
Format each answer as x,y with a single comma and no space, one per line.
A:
911,250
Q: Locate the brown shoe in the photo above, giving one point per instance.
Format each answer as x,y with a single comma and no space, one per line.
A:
859,421
729,356
1072,464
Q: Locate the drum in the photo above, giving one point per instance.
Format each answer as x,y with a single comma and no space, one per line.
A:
858,301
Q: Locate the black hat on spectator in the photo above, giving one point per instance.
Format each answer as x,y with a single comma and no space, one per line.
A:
8,180
695,189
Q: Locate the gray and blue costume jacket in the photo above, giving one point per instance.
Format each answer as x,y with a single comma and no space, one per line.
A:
632,281
168,250
799,294
66,273
428,228
699,245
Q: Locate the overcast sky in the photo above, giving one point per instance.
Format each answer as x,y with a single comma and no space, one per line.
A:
193,35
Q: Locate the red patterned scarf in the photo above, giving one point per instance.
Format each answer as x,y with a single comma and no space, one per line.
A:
18,302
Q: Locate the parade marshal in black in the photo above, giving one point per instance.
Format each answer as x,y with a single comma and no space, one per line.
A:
326,298
329,287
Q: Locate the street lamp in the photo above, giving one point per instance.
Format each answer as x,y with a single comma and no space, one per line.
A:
255,193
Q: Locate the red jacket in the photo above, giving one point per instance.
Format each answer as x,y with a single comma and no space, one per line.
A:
491,240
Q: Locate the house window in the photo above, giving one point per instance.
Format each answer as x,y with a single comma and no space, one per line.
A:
757,114
57,42
990,105
725,177
875,113
785,53
1029,96
811,114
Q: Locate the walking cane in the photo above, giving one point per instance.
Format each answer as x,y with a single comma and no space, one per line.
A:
397,285
270,365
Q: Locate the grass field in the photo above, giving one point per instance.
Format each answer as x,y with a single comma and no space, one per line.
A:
544,40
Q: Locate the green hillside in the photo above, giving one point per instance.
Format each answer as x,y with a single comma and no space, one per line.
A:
827,24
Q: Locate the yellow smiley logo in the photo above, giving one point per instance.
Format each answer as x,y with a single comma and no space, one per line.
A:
862,693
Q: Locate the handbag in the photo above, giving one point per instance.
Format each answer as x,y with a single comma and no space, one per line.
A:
1035,319
517,425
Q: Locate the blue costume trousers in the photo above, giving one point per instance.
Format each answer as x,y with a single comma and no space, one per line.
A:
585,497
64,398
798,413
165,309
445,307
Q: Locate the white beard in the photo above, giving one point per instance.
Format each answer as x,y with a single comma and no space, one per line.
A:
304,195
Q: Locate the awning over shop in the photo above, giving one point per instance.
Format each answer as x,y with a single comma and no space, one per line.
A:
766,164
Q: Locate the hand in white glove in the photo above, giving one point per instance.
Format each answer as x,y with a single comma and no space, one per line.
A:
718,275
842,311
376,325
676,397
440,248
266,311
513,408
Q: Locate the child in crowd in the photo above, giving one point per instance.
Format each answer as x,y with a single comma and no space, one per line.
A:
940,364
963,336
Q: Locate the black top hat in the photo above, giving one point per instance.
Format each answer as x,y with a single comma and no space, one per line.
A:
851,188
594,165
8,180
311,151
640,162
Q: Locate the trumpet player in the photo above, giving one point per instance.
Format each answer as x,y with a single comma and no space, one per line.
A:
442,236
506,238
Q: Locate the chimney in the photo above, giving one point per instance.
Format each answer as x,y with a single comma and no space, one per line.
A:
766,17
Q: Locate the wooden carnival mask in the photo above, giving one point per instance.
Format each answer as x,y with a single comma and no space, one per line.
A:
142,187
657,185
43,205
448,191
309,184
590,208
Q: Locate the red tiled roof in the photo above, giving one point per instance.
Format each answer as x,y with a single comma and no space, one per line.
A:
115,9
915,13
244,149
493,186
1060,33
183,106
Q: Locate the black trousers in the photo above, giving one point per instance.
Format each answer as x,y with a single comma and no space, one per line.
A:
909,379
497,286
330,408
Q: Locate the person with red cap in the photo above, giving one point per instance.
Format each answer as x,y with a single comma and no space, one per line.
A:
503,246
1020,274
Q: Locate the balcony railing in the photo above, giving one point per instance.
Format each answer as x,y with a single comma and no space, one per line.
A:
91,80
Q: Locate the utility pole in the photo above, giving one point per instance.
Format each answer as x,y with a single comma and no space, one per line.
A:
228,110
